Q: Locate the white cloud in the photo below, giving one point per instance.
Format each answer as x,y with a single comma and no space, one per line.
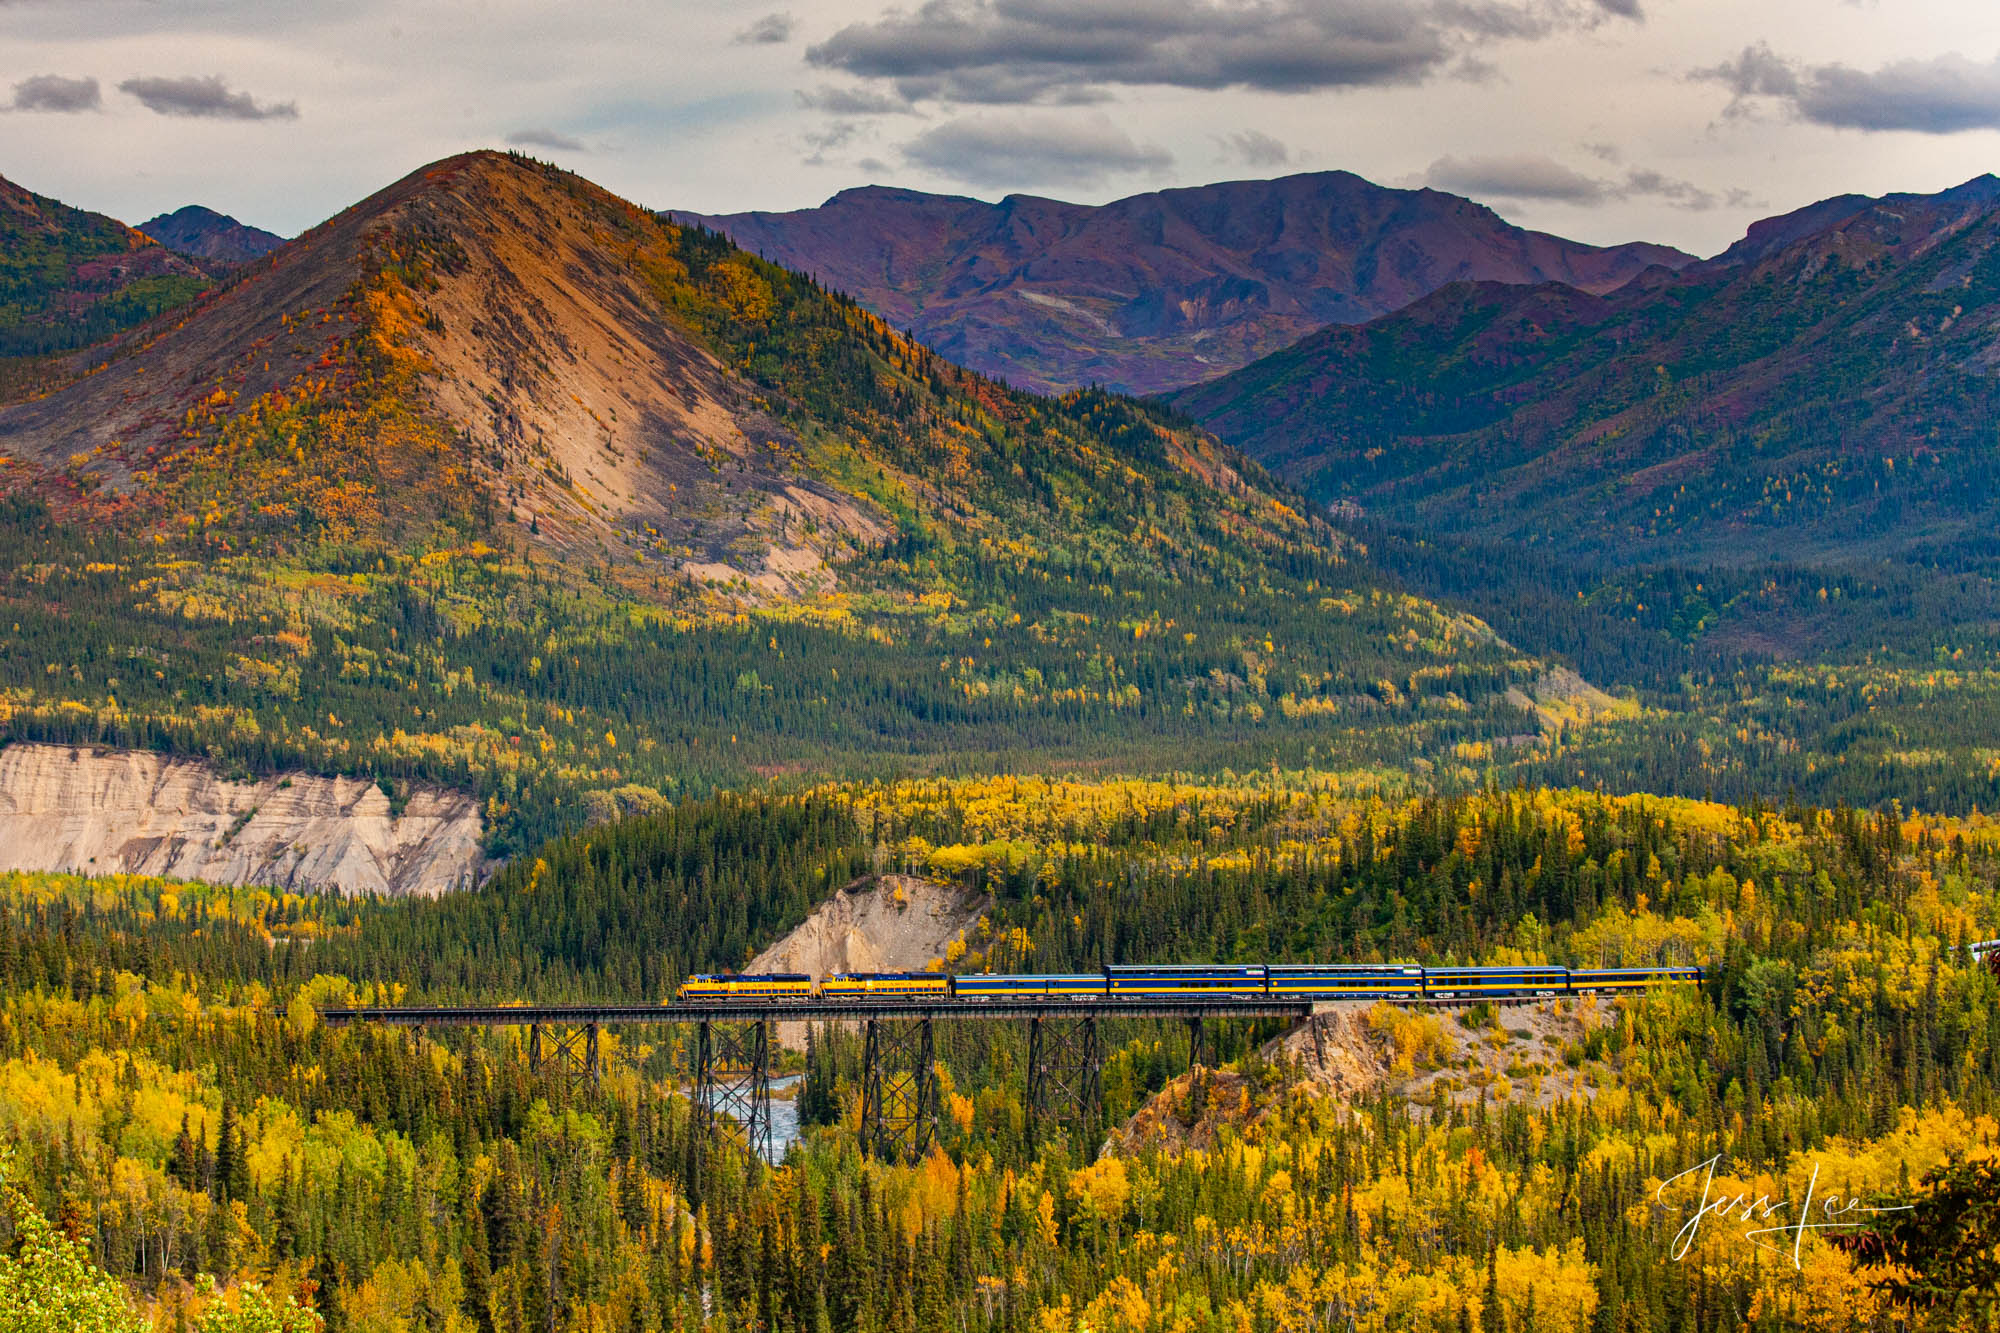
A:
1530,176
1521,176
771,30
1068,51
677,113
1254,148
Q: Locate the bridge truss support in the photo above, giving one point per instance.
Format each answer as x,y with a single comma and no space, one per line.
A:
1065,1075
1197,1098
899,1089
565,1052
732,1081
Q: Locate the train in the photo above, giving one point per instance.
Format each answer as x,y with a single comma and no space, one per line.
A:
1290,981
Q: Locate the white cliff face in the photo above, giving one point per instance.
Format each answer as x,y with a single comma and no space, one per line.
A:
135,812
897,923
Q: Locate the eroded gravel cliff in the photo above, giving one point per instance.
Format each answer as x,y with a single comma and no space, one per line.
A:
129,811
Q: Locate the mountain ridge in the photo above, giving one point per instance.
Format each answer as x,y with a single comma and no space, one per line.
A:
1132,294
1724,411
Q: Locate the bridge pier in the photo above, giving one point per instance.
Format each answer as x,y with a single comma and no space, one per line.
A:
569,1052
899,1091
732,1080
1065,1074
1197,1069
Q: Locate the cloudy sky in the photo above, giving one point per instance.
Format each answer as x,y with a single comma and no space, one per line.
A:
1608,120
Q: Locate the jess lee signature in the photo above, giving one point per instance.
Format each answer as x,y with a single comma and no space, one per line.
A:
1835,1213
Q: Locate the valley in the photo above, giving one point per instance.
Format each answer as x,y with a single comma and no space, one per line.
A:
504,594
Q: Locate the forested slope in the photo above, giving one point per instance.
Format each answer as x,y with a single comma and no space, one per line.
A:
69,278
176,1103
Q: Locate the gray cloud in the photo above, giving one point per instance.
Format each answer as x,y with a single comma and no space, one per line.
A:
1624,9
1056,51
544,138
853,102
1519,177
53,92
1256,149
203,97
1670,190
834,136
1017,150
767,31
1945,95
1471,69
1942,96
1758,72
1541,179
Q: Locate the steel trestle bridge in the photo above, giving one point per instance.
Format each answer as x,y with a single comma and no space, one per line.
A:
899,1090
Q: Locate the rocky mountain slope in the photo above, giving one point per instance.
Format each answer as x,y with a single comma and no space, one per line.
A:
494,335
1160,289
493,325
1524,1055
497,481
100,812
207,234
1824,390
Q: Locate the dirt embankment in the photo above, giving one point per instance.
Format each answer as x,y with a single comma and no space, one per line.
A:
104,812
1521,1053
892,923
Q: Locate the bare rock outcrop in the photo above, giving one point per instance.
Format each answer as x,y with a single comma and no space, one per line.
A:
892,923
1429,1057
136,812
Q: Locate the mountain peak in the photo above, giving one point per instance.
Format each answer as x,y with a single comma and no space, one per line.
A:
207,234
493,339
1159,289
1769,236
878,194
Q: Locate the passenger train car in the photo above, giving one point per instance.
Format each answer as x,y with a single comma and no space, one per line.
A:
1292,981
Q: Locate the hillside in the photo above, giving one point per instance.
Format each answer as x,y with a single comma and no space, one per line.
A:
488,332
1824,391
207,234
69,278
1159,289
496,481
